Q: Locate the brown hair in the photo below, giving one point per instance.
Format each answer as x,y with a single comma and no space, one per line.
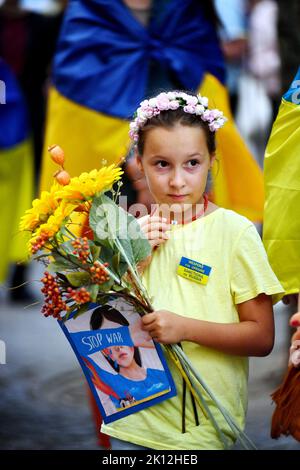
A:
169,119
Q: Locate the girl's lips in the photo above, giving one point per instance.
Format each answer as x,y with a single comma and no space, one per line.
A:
177,196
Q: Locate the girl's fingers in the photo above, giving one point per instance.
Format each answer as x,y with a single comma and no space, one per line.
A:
149,219
157,235
156,243
155,228
148,319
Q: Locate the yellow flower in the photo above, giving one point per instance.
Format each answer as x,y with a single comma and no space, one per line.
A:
88,184
41,209
51,227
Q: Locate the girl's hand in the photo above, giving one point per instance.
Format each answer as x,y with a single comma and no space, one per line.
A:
164,326
139,336
154,228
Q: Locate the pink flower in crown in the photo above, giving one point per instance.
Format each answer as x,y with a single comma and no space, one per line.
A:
172,95
183,95
152,102
145,112
133,126
144,104
134,136
206,116
216,113
174,105
141,121
162,102
191,100
189,108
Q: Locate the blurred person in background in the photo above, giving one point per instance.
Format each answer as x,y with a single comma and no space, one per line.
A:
16,177
233,33
264,57
263,67
28,33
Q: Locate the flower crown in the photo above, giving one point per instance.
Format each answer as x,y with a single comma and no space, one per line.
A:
172,100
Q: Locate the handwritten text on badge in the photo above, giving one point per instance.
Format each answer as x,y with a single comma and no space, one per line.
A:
193,270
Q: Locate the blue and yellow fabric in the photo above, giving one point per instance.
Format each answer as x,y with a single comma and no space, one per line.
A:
281,234
16,178
101,73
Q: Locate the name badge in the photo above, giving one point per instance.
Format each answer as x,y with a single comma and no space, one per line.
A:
193,270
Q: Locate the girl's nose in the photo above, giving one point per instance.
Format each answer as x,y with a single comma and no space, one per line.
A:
177,180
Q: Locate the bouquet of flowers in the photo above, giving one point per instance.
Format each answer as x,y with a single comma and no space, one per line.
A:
92,249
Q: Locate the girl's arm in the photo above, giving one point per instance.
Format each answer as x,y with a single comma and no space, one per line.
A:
252,336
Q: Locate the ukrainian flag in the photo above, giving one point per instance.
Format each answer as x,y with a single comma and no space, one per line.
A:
16,168
281,234
100,75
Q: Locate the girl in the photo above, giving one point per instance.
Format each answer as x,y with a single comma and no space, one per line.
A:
209,276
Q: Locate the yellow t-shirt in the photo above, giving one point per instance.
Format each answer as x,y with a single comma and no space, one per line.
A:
231,246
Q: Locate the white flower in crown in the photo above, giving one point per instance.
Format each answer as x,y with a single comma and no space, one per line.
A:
199,109
172,100
203,100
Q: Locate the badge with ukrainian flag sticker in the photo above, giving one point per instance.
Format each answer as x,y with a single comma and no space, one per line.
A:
193,270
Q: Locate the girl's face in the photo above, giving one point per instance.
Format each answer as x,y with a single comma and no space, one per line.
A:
176,162
123,355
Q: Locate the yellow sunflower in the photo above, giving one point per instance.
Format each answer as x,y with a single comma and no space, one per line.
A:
88,184
53,224
41,209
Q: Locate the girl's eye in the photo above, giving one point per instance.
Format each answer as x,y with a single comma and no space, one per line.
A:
192,163
161,164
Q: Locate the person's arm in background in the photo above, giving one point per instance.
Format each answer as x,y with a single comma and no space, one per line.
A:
233,31
233,36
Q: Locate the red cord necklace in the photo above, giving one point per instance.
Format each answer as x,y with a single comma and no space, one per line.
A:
196,216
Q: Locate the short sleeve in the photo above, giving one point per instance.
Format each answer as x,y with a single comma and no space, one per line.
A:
251,273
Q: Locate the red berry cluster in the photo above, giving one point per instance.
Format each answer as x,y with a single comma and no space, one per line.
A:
81,249
98,273
39,242
54,303
81,296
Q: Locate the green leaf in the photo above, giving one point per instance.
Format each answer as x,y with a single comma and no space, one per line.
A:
93,289
60,264
95,251
78,279
107,256
118,288
67,247
106,286
113,226
82,309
